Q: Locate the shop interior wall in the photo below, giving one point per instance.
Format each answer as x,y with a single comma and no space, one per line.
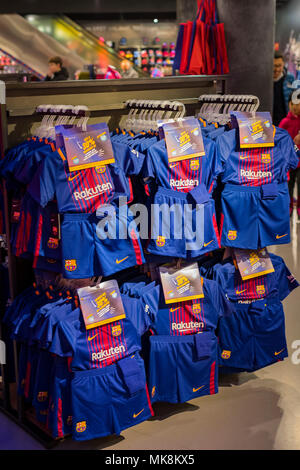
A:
133,31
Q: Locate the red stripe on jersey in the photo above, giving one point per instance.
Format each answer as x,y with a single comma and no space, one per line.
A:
136,247
149,401
211,187
215,225
38,240
130,191
221,225
72,187
124,339
59,419
147,190
27,232
212,378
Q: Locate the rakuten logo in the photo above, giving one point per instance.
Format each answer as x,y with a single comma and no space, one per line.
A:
181,184
256,175
187,326
90,193
107,353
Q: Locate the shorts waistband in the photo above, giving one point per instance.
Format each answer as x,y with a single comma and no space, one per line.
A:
174,339
170,193
99,371
77,217
254,189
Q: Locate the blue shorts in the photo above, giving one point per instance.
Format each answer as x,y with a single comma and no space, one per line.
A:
47,237
187,231
249,221
42,385
59,420
253,336
85,254
177,373
108,400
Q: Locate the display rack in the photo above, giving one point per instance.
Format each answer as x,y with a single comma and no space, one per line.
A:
104,99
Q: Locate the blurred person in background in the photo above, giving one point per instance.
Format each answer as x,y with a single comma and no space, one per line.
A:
291,123
128,70
56,70
282,88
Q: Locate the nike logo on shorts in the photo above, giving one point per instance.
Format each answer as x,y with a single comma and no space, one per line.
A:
277,353
281,236
118,261
206,244
135,415
196,389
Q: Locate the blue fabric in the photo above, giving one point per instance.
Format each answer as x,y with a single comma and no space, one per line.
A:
203,345
187,377
132,374
267,220
102,404
200,194
269,191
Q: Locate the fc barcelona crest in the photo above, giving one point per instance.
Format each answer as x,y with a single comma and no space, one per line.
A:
266,158
232,234
52,243
70,264
194,165
225,354
81,426
196,308
100,169
42,396
116,330
260,290
160,241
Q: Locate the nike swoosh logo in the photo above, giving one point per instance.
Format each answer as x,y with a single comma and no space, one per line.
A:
240,291
196,389
243,158
276,353
174,309
118,261
173,166
280,236
206,244
71,178
93,337
137,414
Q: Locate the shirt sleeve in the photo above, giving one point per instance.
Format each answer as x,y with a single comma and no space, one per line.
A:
224,148
286,282
288,149
150,302
65,338
130,160
43,185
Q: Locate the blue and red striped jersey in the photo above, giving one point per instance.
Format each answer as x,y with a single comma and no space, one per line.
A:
183,175
277,284
192,316
101,346
257,166
85,190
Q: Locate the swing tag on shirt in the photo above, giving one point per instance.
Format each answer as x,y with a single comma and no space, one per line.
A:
253,263
181,284
101,304
255,129
183,138
87,148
